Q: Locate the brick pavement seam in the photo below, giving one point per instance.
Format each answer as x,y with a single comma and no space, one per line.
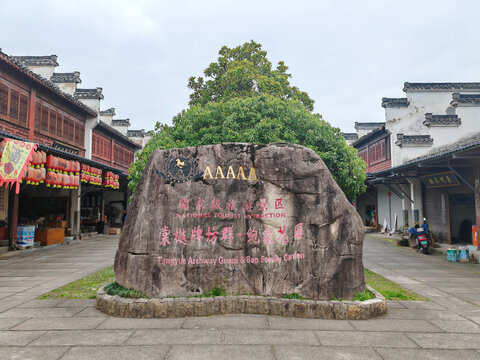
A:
128,337
65,353
183,324
375,350
106,318
317,337
167,355
273,352
43,333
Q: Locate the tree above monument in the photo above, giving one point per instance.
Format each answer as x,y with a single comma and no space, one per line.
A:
246,101
244,71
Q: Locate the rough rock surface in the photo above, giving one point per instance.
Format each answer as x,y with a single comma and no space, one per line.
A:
294,231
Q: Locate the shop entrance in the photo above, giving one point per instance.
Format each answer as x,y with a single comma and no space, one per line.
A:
43,206
462,217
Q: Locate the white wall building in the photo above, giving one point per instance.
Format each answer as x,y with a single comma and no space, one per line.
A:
429,118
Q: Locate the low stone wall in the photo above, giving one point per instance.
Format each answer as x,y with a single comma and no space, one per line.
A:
224,305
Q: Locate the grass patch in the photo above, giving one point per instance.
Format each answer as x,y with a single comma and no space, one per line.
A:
389,289
115,288
293,296
85,288
216,291
366,295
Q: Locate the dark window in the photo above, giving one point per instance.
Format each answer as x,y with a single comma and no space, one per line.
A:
23,108
70,129
59,125
14,104
377,151
44,121
363,154
38,115
77,134
3,99
82,135
53,122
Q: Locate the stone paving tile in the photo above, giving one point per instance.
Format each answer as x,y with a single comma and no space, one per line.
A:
33,353
44,303
8,323
89,311
395,304
407,314
474,318
220,352
60,323
455,290
456,304
403,354
174,336
77,303
270,337
445,341
285,323
40,312
117,352
4,295
397,325
134,324
466,327
422,305
324,353
81,337
227,322
349,338
12,338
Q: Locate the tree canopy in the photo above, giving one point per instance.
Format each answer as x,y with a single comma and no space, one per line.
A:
246,101
244,71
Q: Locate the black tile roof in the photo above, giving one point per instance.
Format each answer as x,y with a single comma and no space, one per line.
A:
465,99
136,133
110,111
89,93
72,77
350,136
368,125
448,86
413,140
441,120
464,144
394,102
47,60
373,135
105,126
121,122
18,66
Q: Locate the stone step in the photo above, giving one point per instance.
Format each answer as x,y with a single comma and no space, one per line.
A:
3,249
3,242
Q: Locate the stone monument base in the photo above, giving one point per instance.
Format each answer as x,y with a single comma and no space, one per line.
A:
243,304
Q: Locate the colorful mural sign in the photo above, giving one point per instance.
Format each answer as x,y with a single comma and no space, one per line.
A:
16,156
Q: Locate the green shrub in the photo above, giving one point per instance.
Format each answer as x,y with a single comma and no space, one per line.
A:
115,288
366,295
293,296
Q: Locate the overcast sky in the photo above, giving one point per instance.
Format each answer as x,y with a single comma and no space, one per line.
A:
346,55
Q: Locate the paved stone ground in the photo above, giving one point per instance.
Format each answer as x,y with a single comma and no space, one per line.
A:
445,328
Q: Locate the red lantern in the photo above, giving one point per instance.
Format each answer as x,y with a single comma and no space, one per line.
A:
51,179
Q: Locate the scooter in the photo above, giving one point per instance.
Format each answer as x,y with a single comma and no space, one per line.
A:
422,239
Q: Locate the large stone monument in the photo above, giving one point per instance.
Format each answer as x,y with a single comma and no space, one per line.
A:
252,219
